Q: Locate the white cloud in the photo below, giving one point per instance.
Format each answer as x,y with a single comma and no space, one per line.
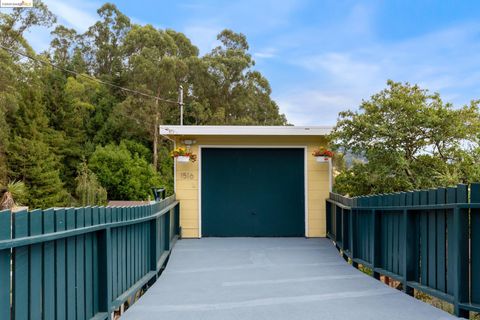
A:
78,15
262,15
444,61
342,67
38,38
204,37
313,107
205,20
263,55
248,16
323,65
266,53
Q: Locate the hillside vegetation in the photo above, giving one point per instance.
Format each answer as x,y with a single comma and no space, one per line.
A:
70,138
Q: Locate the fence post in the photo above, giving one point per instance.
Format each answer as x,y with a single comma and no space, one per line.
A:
342,222
154,245
334,222
104,270
475,244
460,265
177,221
344,244
373,244
408,260
5,256
167,230
352,235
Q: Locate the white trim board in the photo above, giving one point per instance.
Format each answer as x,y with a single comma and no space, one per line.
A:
245,130
305,175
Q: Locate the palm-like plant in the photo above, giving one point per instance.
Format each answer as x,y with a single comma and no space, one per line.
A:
13,194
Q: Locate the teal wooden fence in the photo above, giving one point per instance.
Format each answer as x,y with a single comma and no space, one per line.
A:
428,240
81,263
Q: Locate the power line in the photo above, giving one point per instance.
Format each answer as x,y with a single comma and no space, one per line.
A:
86,76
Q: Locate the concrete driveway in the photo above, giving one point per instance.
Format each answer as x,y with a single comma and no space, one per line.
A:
270,278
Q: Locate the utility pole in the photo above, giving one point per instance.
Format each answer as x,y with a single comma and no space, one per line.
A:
180,103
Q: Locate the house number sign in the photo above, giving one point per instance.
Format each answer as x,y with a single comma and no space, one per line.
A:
185,175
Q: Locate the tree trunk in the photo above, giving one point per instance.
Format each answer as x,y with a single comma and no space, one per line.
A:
156,129
3,168
155,136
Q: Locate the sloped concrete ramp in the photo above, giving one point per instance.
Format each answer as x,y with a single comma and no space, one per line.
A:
270,278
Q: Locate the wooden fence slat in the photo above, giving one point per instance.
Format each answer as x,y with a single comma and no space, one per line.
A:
71,266
108,258
20,268
128,268
80,264
5,256
384,237
89,312
95,259
35,268
159,237
145,242
102,215
148,243
475,241
451,198
123,254
49,266
134,248
402,235
395,237
414,227
140,227
424,239
441,234
432,241
367,236
359,252
113,244
167,231
60,267
461,220
137,246
389,217
118,256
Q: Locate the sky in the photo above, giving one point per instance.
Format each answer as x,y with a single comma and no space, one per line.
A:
322,56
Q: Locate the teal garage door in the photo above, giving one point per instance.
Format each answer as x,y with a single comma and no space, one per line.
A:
253,192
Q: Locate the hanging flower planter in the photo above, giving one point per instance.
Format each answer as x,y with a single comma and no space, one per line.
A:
183,159
183,155
322,155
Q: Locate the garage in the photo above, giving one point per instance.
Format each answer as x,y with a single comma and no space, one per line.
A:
250,181
253,192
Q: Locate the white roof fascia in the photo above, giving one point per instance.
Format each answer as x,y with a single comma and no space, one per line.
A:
174,130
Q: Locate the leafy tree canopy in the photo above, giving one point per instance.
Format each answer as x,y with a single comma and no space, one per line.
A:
410,139
89,191
51,119
124,174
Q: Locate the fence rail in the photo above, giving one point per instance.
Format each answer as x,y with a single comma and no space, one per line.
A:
428,240
81,263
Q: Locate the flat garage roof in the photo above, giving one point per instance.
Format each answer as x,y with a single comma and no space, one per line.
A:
246,130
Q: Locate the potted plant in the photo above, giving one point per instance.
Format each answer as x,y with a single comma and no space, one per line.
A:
322,154
183,155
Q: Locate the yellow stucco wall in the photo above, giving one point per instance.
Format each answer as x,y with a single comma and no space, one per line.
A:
187,178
